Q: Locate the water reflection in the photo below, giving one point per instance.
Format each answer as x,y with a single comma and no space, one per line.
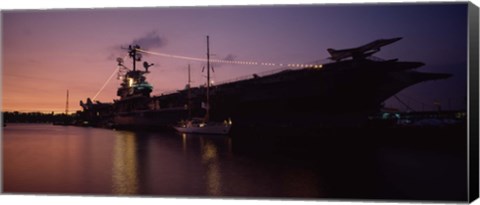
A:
210,160
48,159
184,143
125,171
229,143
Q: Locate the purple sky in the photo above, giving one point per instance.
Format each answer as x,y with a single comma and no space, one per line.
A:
46,52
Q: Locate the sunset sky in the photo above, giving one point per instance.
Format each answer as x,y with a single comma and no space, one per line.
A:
46,52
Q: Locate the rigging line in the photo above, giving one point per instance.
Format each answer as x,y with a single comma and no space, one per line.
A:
414,99
173,56
408,107
105,84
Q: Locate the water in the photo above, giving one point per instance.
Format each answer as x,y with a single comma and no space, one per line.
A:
47,159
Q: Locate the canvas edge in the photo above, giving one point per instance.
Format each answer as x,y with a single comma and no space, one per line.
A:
473,86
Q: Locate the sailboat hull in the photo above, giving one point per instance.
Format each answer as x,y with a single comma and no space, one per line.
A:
208,129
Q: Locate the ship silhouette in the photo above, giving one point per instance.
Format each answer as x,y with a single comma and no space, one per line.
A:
340,93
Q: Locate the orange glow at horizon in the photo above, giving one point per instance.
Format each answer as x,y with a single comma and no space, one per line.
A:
34,91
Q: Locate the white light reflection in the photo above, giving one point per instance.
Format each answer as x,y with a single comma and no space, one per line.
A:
184,143
210,159
125,170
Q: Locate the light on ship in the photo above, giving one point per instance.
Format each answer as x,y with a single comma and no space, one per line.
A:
130,82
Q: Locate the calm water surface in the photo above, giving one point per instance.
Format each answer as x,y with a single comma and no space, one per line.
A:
75,160
47,159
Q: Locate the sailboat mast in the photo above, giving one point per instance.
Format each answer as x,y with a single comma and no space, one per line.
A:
189,81
208,79
189,94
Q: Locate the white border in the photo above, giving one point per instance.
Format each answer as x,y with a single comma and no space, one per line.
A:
49,4
55,4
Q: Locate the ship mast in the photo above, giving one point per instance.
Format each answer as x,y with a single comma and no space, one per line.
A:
189,94
132,51
207,115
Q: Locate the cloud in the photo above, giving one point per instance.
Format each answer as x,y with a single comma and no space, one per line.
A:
151,40
230,57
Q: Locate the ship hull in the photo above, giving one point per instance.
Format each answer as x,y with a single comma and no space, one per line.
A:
148,119
341,94
334,96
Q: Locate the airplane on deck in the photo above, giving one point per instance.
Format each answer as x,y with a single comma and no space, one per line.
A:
362,51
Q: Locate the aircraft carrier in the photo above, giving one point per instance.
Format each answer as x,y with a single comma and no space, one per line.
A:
341,93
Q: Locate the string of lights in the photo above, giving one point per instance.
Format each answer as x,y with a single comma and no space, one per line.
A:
106,82
116,71
256,63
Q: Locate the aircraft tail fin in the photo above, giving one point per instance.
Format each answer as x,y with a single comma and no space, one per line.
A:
331,50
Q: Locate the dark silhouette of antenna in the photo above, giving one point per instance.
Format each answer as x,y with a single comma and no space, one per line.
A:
120,61
66,106
146,65
132,52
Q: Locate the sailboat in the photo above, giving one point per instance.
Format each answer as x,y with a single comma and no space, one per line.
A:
204,125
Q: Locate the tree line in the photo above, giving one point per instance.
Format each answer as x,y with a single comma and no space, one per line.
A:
35,117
